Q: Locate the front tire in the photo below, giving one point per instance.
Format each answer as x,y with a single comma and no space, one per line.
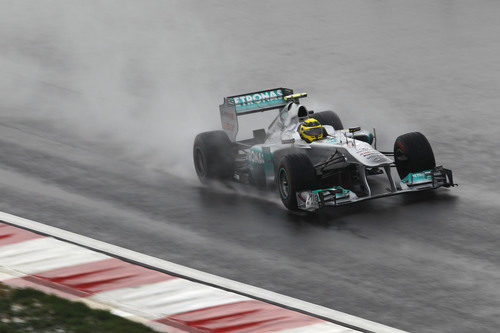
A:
295,173
413,153
213,156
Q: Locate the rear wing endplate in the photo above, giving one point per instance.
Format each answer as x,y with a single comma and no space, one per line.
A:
259,101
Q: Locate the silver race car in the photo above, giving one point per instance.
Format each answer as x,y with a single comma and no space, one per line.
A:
309,157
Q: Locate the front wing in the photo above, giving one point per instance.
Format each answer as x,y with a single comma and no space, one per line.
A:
430,179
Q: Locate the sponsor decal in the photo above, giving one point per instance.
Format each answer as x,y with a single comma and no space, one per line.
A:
332,140
229,115
228,126
256,157
372,155
259,100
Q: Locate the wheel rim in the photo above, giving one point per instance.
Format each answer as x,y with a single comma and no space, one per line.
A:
284,184
199,163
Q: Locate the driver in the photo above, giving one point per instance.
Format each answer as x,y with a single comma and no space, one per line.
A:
311,130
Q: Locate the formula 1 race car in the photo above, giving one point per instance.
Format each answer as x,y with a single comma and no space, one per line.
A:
309,157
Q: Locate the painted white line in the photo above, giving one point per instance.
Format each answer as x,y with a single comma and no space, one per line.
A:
121,313
169,297
7,274
43,254
175,269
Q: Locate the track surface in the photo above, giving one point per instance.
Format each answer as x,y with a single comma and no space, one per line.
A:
426,263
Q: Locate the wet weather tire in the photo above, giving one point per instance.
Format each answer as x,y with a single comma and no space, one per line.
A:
213,156
295,173
413,153
329,118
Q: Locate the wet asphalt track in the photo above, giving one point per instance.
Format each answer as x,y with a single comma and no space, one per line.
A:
427,262
424,262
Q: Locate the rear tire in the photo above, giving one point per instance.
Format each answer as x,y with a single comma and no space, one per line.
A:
413,153
328,118
213,156
295,173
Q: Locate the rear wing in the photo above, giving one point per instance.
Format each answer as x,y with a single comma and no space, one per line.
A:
259,101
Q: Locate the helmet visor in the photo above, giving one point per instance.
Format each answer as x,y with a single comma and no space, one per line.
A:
315,131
